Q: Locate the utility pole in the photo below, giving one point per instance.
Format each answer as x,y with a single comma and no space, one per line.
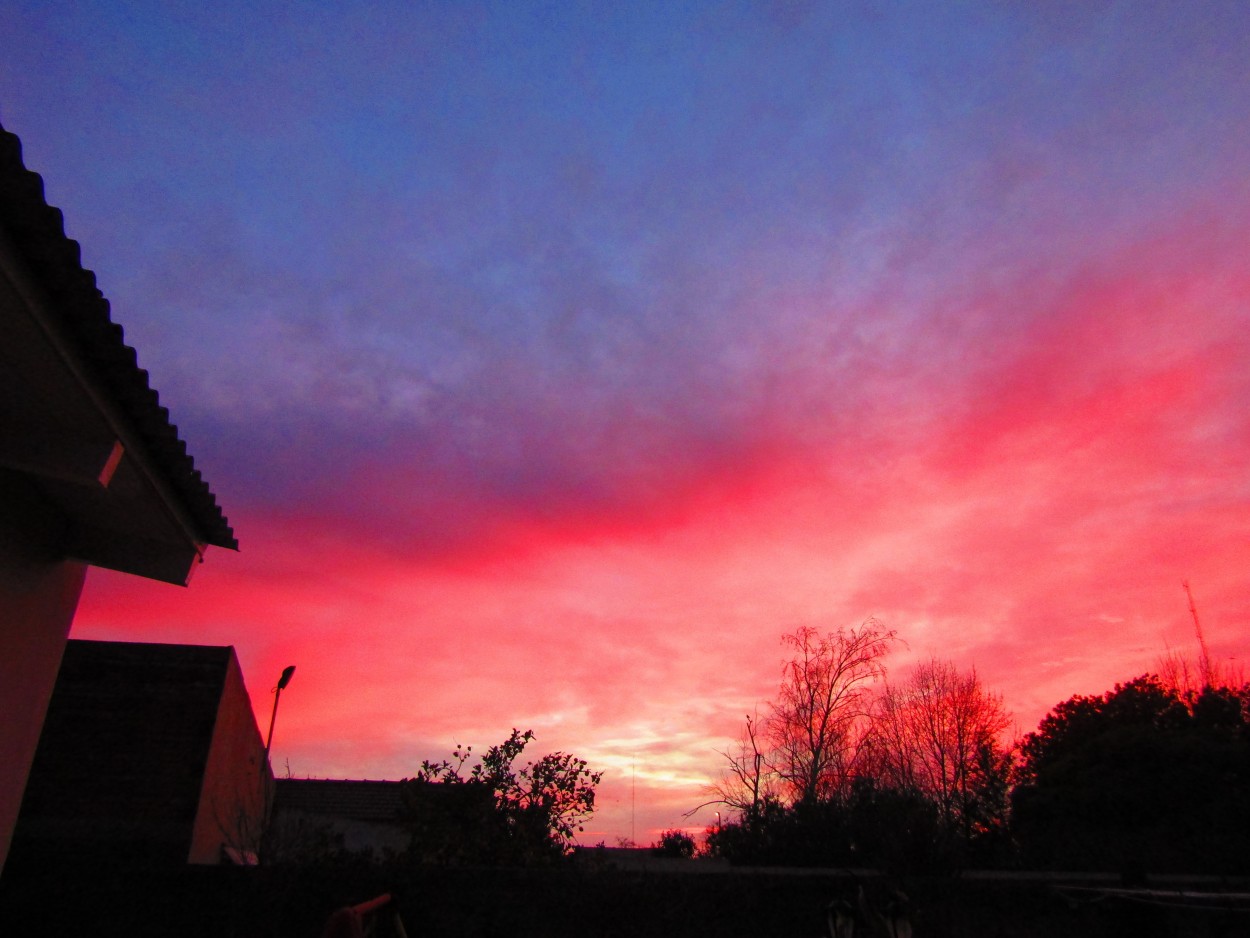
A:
633,800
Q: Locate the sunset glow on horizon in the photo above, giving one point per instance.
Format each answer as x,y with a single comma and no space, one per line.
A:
550,363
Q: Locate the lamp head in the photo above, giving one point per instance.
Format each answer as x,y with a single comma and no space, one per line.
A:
286,676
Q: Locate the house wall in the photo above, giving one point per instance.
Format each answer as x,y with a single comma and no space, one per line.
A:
90,467
236,776
303,836
119,769
38,596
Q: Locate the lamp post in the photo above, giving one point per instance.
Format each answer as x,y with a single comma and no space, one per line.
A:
283,681
266,771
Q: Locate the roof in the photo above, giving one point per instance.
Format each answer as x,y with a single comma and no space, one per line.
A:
378,801
356,800
35,232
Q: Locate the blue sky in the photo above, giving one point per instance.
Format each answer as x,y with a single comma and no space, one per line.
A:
596,346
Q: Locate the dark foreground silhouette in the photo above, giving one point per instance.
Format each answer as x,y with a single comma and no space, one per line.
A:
554,902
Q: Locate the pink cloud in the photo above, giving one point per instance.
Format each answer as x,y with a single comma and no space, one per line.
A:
1032,515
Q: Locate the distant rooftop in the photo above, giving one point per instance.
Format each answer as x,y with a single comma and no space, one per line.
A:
357,800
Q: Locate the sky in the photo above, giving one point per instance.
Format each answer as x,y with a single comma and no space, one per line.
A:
552,360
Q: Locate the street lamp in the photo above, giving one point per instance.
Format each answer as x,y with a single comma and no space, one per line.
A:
266,771
283,681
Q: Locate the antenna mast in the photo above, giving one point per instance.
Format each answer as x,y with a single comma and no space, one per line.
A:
1204,659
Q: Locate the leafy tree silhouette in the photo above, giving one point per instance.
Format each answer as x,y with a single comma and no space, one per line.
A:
674,844
1141,778
496,812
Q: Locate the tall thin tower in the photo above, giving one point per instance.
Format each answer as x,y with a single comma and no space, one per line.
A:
1204,658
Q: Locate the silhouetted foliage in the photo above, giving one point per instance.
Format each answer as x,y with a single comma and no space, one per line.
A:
899,830
497,813
818,723
809,746
843,771
1142,778
674,844
936,735
748,779
884,828
301,842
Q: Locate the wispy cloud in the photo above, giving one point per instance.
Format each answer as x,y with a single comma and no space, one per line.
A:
551,365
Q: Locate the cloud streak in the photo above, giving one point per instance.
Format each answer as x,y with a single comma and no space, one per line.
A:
550,366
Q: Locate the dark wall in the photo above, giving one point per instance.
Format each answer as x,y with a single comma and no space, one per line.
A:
120,764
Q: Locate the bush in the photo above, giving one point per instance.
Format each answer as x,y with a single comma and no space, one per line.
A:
675,844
